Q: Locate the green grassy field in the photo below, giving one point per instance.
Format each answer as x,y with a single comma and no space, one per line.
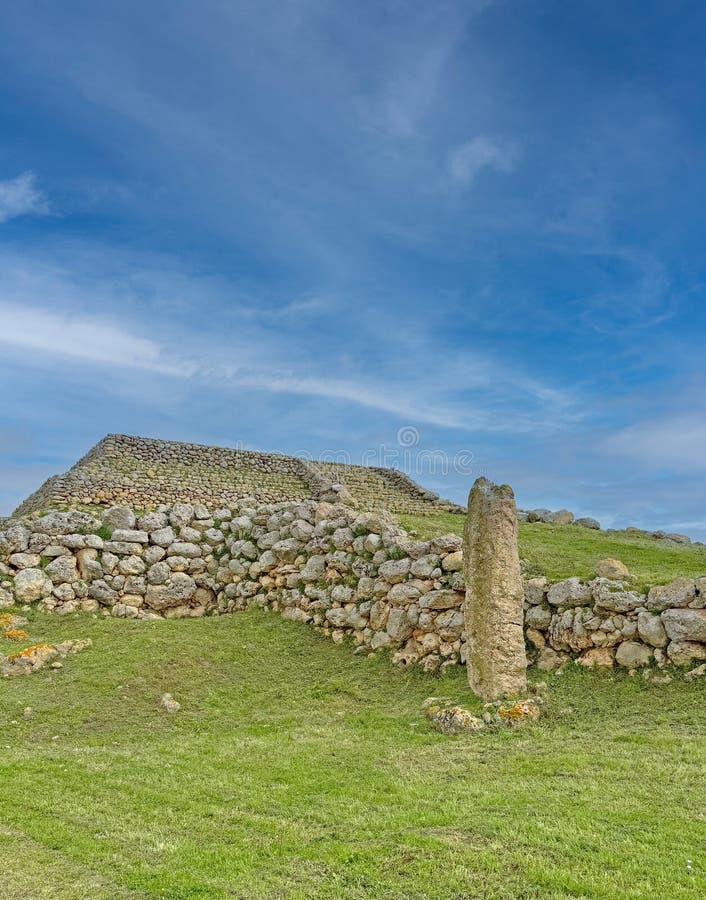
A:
562,551
295,769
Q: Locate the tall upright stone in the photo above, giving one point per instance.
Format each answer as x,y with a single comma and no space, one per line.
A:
496,660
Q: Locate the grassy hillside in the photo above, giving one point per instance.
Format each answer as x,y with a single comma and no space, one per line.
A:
562,551
295,769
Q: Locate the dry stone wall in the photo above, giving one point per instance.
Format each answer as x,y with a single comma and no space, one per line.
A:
328,565
144,473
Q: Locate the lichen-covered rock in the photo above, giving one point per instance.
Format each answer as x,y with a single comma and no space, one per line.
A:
25,560
398,625
453,719
395,570
179,588
538,617
441,599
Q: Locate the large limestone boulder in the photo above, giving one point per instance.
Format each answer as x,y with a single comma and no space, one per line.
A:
685,624
588,522
612,596
682,653
633,655
119,517
493,608
63,570
679,593
31,585
570,593
651,629
560,517
612,568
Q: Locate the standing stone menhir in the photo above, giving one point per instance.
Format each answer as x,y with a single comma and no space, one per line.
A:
496,660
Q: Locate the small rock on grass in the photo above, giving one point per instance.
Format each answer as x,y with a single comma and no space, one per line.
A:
612,568
168,703
456,719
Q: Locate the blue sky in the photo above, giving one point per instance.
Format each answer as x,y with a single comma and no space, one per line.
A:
304,226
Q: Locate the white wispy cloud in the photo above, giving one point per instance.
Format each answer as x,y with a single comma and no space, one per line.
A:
81,338
42,334
137,319
466,161
20,196
673,443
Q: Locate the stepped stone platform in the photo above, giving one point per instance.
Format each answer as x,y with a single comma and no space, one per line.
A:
144,473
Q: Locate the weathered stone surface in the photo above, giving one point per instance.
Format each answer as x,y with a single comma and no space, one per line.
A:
538,617
131,535
588,522
496,658
119,517
536,590
611,568
681,653
395,570
651,629
25,560
398,626
179,588
597,657
549,660
685,624
71,522
163,537
441,599
63,568
611,596
570,593
678,593
453,562
633,655
185,549
559,517
31,585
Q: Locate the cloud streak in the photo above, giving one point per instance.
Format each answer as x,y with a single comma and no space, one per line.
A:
467,161
49,314
20,196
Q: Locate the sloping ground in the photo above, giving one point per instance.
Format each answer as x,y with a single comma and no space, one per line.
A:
565,551
297,770
143,473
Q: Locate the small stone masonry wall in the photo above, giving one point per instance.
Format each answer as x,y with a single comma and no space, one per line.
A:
332,567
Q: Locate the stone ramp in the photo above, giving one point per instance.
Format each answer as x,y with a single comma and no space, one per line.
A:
373,486
146,472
